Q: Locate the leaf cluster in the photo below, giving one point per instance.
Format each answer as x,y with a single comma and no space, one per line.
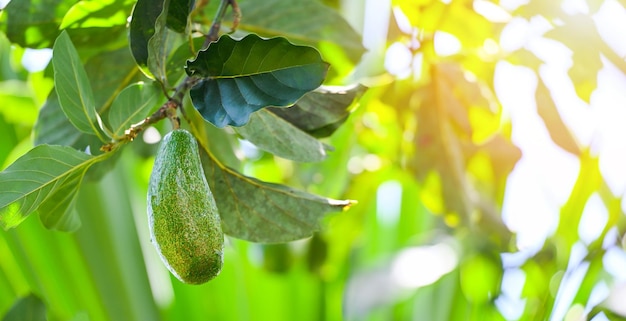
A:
105,96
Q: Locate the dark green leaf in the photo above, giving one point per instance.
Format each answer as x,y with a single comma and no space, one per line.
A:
306,22
73,88
263,212
244,76
178,14
275,135
28,308
322,111
132,105
45,178
142,28
34,23
52,127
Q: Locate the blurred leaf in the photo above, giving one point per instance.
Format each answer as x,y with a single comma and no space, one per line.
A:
469,27
547,110
98,23
28,308
34,23
525,58
579,33
91,14
304,22
263,212
132,105
277,258
81,316
178,14
317,254
243,76
588,181
73,88
444,142
322,111
45,179
548,9
610,315
273,134
480,279
18,105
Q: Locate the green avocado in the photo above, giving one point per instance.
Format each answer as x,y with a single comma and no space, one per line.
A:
183,218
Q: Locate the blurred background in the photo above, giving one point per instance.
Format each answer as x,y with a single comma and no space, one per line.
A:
487,157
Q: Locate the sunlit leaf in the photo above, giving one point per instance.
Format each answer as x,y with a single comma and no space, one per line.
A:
34,23
444,143
98,22
263,212
45,176
132,105
72,86
243,76
275,135
91,14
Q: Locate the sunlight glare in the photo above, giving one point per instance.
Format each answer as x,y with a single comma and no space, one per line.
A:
151,135
491,11
594,218
607,104
420,266
36,59
543,178
398,60
611,23
389,203
446,44
573,7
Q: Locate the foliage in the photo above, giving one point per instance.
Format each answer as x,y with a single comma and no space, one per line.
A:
286,103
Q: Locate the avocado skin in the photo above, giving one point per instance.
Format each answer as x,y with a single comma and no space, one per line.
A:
184,222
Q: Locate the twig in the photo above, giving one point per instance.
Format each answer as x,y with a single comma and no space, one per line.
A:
217,22
167,110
